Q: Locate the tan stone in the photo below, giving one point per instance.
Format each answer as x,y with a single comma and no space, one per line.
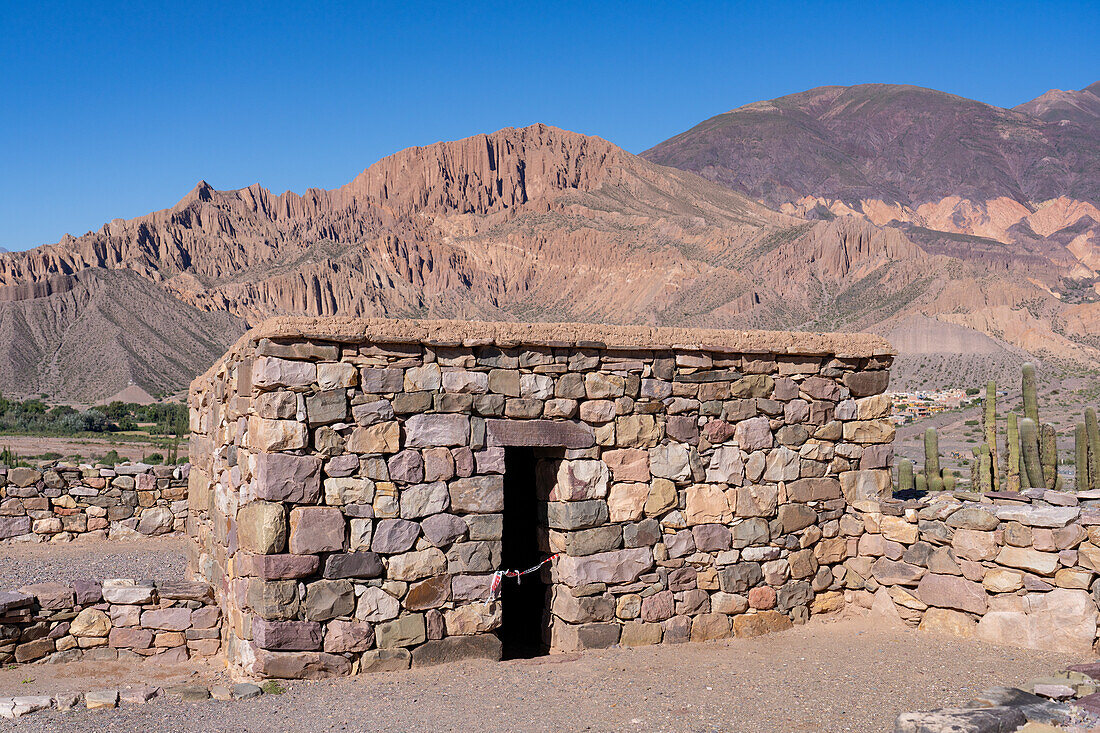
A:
90,622
1043,563
869,431
710,626
871,408
627,501
1073,578
760,623
417,565
945,621
974,545
662,497
638,633
707,504
473,618
276,435
999,580
628,464
378,438
898,530
636,431
828,602
261,527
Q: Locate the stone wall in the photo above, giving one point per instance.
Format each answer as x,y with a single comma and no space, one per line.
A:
1017,569
66,501
347,491
115,619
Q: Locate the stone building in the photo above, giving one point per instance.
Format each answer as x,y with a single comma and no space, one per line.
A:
356,484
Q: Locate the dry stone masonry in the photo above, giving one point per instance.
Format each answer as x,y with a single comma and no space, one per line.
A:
1019,569
68,501
355,485
108,620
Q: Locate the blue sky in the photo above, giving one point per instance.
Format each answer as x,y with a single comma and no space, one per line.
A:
116,112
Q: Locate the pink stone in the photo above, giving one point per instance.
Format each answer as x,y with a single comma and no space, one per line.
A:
659,606
130,638
284,477
206,617
286,635
348,636
167,619
316,529
279,567
762,597
628,464
951,591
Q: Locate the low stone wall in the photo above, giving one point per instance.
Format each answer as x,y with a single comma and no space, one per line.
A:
67,501
352,484
115,619
1007,568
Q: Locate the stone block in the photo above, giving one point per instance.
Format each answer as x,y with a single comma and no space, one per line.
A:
417,565
353,565
626,501
316,529
951,591
432,430
456,649
276,435
327,599
299,665
342,637
620,566
289,478
167,619
758,624
124,591
382,437
327,406
539,433
405,631
286,635
477,495
423,500
571,515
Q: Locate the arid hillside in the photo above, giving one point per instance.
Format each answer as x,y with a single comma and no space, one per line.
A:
521,224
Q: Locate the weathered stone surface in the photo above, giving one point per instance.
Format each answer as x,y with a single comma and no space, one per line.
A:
889,572
384,437
726,466
859,485
167,619
376,604
300,665
670,462
760,623
636,431
405,631
1062,620
621,566
756,500
443,529
626,501
974,518
753,434
662,497
1043,563
353,565
1038,516
127,592
571,515
316,529
92,622
275,567
422,500
951,591
794,517
477,495
348,636
289,478
326,599
628,464
455,649
261,527
813,489
417,565
1001,719
707,504
740,577
276,435
578,480
286,635
539,433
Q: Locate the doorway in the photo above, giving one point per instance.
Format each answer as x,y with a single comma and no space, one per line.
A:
524,601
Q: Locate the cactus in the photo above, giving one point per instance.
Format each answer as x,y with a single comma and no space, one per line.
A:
905,475
1081,456
1092,430
1031,400
985,470
948,480
990,423
1029,446
1012,449
922,484
1048,455
932,458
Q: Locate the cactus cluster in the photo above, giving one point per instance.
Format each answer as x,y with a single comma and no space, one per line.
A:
1030,456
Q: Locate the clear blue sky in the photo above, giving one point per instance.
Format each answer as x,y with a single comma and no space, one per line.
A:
116,112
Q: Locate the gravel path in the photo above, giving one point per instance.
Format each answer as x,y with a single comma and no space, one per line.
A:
162,558
842,675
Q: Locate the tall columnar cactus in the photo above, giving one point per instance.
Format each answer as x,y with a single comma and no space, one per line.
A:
1031,400
932,460
905,475
1093,432
1029,446
990,423
1048,454
985,471
1012,449
1081,455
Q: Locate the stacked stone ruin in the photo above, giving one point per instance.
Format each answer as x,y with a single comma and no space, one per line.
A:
348,483
66,501
105,621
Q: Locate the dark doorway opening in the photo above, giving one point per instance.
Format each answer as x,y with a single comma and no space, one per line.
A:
524,601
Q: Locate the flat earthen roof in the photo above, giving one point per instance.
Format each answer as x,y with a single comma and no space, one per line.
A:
562,335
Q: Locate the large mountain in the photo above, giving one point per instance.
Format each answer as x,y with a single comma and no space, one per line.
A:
522,224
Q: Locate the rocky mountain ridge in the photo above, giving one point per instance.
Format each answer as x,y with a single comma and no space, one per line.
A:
522,224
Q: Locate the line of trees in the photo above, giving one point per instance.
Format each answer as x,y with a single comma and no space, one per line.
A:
35,416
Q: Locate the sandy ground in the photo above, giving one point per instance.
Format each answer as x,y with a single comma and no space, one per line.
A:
836,675
162,558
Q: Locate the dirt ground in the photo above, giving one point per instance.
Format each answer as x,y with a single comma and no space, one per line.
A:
835,675
161,558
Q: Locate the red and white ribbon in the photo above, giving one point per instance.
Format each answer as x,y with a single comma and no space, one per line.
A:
500,575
